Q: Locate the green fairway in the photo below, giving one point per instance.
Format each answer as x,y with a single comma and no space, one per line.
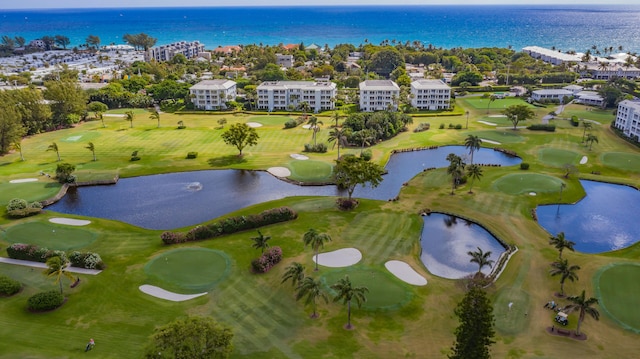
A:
188,269
619,294
85,137
588,113
622,161
511,319
557,157
502,136
310,171
519,183
496,120
29,191
122,111
271,120
50,235
480,103
385,290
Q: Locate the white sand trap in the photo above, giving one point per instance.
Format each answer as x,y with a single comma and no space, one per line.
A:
498,116
532,194
23,180
165,294
279,171
405,273
298,157
341,258
254,124
69,221
490,141
73,138
114,115
306,127
489,123
584,160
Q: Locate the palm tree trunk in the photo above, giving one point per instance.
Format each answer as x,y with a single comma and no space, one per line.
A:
471,185
94,156
580,319
60,281
349,315
316,260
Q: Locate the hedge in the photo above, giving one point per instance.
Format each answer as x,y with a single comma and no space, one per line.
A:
45,301
230,225
541,127
31,252
9,286
267,260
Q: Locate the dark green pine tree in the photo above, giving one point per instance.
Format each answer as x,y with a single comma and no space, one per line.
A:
475,333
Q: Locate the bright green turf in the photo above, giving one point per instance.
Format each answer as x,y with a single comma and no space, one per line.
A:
499,104
623,161
271,120
593,113
50,235
502,136
29,191
385,290
618,291
557,157
189,269
519,183
84,138
310,171
499,121
511,321
137,111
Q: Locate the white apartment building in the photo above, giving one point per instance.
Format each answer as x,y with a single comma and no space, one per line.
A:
213,94
167,52
379,95
285,61
278,95
550,94
430,95
607,70
628,119
551,56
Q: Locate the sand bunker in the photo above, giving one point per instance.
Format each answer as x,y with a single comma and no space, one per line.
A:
254,124
306,126
490,141
165,294
405,273
279,171
341,258
584,160
489,123
22,180
498,116
69,221
532,194
298,157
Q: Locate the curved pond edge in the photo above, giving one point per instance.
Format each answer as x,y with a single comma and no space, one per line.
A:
65,187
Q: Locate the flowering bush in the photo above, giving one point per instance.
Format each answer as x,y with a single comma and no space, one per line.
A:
267,260
31,252
172,237
87,260
19,208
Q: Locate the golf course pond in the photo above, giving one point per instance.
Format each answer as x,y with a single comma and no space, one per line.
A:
175,200
604,220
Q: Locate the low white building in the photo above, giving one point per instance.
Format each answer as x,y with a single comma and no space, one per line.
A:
551,56
551,94
280,95
606,70
379,95
213,94
590,98
628,119
285,61
430,95
167,52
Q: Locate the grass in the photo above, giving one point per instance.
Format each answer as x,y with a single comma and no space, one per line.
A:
49,235
623,161
559,157
310,171
480,103
30,191
266,319
618,293
519,183
502,136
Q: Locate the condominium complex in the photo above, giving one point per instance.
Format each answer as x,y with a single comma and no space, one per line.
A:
379,95
282,95
430,95
167,52
213,94
628,119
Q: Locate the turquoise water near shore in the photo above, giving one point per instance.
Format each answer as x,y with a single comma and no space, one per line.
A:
566,27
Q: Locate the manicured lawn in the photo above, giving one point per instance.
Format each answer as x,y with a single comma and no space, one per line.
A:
271,120
557,157
524,183
310,171
50,235
502,136
30,191
480,103
623,161
588,113
511,319
619,293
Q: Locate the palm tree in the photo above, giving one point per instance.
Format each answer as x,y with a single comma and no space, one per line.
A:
587,127
565,271
347,293
481,258
584,305
92,148
336,117
314,124
312,290
472,143
337,136
129,116
475,172
591,139
316,240
295,273
54,147
18,146
100,116
260,242
560,243
56,267
304,107
155,115
455,169
491,99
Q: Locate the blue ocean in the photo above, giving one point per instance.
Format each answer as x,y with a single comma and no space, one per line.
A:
565,27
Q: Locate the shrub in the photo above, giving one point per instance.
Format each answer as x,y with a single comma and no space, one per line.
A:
9,286
64,173
366,155
574,121
192,155
424,126
87,260
16,204
458,127
172,237
45,301
524,166
320,148
451,125
19,208
267,260
291,124
31,252
441,126
134,156
542,127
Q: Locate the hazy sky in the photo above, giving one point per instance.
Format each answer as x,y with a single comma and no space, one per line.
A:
46,4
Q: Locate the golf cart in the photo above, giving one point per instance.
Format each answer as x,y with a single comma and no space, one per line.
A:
562,319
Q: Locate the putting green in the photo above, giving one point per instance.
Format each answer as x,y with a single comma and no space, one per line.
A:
502,136
29,191
188,270
271,120
50,235
557,157
385,290
310,171
511,319
623,161
519,183
618,293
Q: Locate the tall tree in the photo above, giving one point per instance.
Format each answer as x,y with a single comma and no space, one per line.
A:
314,125
518,113
155,115
584,306
338,137
316,240
93,41
57,268
492,98
472,143
240,135
590,140
130,116
586,127
66,98
351,171
475,333
54,147
193,337
455,170
62,40
91,147
311,290
347,292
560,243
11,129
295,273
475,172
562,268
260,242
17,145
480,258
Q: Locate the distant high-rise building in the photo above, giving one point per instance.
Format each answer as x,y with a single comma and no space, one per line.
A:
167,52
